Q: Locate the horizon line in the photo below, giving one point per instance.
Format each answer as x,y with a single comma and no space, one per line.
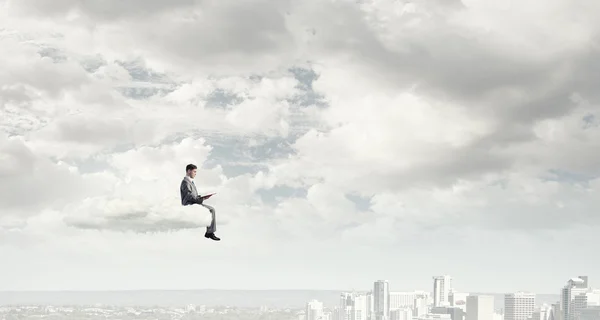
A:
216,289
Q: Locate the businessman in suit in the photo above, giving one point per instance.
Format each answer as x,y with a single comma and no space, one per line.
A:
189,196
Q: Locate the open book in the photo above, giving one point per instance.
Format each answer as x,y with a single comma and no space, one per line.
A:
204,197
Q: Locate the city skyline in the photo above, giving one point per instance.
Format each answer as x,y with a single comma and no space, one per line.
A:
453,295
340,289
577,301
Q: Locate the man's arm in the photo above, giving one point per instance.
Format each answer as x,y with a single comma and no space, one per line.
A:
188,196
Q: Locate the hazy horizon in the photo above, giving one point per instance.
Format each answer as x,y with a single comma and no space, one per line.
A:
249,290
234,298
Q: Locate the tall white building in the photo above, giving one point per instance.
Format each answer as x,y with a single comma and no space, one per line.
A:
458,300
542,313
381,300
353,306
337,313
442,285
370,305
519,305
314,310
424,295
574,298
401,314
402,300
593,297
421,306
346,306
361,307
555,312
480,307
590,313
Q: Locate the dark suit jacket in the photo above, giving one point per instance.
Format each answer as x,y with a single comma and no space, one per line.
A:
189,194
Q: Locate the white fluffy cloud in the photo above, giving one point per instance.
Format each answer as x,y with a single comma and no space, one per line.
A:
136,214
374,125
31,184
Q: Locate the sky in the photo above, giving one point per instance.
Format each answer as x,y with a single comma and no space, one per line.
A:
347,141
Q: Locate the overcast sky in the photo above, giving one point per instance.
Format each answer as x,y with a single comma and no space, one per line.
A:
347,141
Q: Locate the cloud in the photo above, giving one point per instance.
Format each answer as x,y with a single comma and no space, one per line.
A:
439,123
210,36
376,125
97,10
136,215
495,69
31,183
145,196
393,142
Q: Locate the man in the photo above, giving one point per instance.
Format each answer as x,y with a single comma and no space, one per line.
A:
189,196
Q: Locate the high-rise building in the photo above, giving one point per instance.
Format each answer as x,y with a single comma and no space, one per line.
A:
337,313
519,305
590,313
421,306
361,307
370,305
314,310
442,286
480,307
401,314
542,313
585,281
573,297
593,297
454,312
353,306
424,295
381,300
555,312
402,300
458,300
346,306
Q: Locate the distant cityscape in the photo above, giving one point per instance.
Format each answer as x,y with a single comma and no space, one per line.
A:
189,312
576,300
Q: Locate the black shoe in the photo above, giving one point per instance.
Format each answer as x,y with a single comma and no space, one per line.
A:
211,236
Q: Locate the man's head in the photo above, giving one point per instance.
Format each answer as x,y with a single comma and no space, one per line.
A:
190,170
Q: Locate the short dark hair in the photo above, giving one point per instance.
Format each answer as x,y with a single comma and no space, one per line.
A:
190,167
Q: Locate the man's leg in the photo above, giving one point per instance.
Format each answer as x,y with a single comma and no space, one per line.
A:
210,230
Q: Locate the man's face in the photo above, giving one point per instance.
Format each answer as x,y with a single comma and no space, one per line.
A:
192,173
